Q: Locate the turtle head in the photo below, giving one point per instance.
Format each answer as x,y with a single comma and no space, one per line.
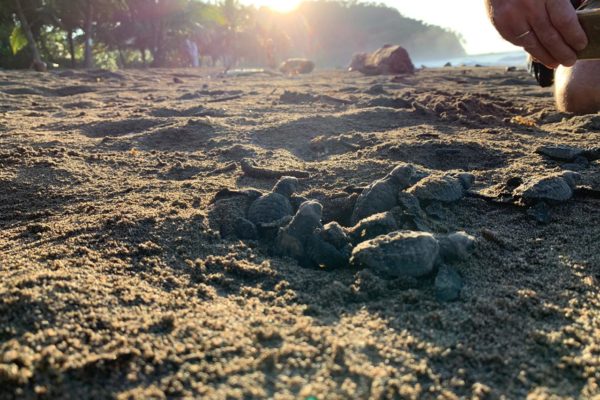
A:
466,180
306,220
311,208
402,175
572,178
456,246
286,186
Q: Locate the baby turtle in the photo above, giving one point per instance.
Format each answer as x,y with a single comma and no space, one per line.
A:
553,189
455,246
407,253
382,195
227,213
335,234
325,254
561,153
305,239
536,193
276,205
400,253
373,226
292,239
569,153
445,188
339,207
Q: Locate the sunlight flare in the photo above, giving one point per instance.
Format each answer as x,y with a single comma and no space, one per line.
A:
282,6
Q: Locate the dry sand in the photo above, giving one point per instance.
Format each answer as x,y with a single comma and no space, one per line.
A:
113,286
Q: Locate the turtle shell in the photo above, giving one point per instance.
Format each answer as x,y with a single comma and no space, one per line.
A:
373,226
224,215
292,239
339,208
269,208
335,234
445,188
563,153
324,254
379,197
398,254
556,188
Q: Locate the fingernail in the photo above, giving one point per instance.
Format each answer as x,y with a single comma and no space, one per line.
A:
582,43
581,46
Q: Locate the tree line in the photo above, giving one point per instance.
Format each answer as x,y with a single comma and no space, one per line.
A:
157,33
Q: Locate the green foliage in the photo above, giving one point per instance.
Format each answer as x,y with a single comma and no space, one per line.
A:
208,14
17,40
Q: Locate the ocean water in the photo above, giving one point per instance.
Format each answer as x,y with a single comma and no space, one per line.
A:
513,58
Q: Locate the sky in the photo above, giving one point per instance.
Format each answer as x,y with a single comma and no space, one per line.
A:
467,17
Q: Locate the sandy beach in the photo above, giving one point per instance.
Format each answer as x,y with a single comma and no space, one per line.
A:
114,282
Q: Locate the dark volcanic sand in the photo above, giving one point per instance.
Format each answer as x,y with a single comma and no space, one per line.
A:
112,285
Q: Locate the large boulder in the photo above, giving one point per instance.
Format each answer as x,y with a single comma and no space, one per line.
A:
389,60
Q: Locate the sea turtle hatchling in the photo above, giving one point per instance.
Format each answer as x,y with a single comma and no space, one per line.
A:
308,241
410,253
569,153
382,195
372,226
554,188
445,188
291,239
535,193
274,206
239,213
228,210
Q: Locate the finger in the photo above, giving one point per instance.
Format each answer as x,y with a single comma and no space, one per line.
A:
552,40
533,46
511,24
564,18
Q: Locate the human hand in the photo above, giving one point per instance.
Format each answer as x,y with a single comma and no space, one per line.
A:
547,29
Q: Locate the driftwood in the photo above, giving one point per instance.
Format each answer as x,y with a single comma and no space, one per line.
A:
250,169
250,72
222,99
227,168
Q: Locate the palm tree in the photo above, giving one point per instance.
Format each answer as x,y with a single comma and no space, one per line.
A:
37,63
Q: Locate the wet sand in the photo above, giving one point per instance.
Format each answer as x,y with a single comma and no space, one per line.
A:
113,284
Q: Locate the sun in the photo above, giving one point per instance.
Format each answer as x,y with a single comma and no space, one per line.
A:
282,6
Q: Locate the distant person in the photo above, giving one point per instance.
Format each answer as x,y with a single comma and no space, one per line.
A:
192,50
550,32
270,53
